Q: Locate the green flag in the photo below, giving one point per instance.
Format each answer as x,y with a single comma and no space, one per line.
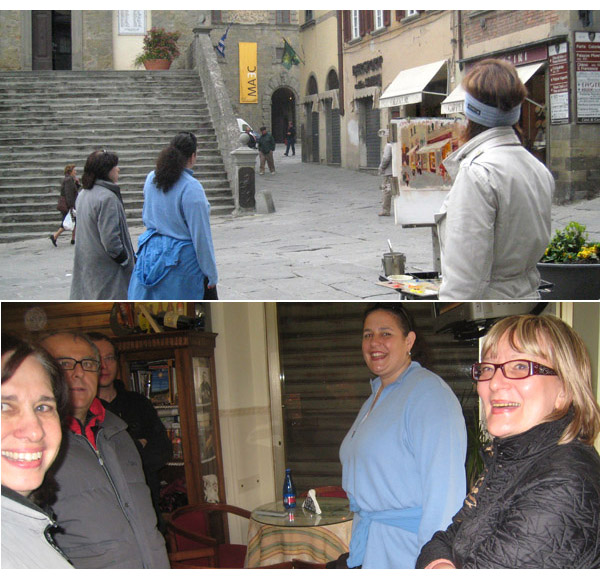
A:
289,56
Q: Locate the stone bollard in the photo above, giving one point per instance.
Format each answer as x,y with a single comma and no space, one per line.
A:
264,202
244,185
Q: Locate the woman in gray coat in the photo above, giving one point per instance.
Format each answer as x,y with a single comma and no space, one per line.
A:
494,224
34,403
104,255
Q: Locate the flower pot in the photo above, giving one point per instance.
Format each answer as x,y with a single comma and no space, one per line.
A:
572,281
157,64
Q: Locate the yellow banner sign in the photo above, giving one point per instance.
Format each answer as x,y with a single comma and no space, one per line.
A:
248,72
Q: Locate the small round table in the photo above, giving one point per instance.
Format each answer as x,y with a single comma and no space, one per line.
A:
299,533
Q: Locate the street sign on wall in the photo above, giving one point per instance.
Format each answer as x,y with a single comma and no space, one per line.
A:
558,57
587,71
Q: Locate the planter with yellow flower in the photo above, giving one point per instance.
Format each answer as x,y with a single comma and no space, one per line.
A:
572,264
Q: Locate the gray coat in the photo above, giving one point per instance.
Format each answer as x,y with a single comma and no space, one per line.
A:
385,167
104,255
494,224
24,543
103,505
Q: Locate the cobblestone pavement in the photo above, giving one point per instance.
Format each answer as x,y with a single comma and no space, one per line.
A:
324,241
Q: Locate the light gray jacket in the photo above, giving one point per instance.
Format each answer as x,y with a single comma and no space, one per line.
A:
494,224
24,541
104,256
385,167
103,505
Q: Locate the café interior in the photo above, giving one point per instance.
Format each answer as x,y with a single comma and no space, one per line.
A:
248,389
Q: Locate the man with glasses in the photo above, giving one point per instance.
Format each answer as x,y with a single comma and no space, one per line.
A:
103,507
143,423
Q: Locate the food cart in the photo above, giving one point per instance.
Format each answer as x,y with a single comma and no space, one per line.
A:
419,147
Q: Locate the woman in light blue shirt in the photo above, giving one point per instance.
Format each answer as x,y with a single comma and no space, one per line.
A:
176,258
404,457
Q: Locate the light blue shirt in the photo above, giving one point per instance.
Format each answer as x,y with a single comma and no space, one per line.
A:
182,213
405,460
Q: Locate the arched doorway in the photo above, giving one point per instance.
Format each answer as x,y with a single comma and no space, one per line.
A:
51,40
283,107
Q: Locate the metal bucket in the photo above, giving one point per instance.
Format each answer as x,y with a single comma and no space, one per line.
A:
393,263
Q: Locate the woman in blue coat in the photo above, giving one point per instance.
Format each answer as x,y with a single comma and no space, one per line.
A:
176,258
404,457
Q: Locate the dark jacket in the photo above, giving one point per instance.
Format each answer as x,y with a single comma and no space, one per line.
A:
142,423
69,189
536,506
290,134
266,143
103,507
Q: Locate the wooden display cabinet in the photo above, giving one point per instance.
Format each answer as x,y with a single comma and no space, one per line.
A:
187,359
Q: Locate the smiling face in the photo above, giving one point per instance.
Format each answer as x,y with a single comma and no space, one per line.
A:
386,349
83,385
31,432
515,406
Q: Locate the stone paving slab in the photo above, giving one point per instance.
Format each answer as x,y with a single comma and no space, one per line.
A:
323,242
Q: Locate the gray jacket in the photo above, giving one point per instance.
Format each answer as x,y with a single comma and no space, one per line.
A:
494,224
103,507
104,255
385,167
24,542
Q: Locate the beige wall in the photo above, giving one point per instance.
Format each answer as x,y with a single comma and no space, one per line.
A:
127,47
244,407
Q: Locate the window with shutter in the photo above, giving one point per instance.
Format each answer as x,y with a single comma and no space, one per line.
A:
387,17
400,14
347,25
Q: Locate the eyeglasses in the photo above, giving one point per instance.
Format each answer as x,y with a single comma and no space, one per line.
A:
515,370
87,364
109,359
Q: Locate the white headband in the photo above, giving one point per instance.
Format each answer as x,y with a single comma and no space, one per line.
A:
489,116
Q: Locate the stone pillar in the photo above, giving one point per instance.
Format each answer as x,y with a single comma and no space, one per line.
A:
243,162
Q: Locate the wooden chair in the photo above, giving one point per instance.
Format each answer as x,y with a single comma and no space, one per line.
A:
191,541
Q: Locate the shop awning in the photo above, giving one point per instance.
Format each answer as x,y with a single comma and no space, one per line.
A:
433,147
408,87
453,103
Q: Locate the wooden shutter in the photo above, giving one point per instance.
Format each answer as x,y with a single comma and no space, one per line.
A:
387,17
369,21
361,23
347,25
400,14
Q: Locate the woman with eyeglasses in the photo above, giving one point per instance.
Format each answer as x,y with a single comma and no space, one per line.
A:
175,258
34,407
537,503
494,224
403,460
104,255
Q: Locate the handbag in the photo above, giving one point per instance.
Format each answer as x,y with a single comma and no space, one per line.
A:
62,204
210,293
68,222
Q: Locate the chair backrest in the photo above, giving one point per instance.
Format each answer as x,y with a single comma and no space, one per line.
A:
190,520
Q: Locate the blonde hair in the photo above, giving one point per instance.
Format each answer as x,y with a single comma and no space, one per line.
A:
550,338
68,169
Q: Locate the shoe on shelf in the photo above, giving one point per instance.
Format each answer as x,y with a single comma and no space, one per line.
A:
53,240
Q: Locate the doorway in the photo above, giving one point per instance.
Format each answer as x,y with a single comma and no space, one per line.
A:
51,40
283,107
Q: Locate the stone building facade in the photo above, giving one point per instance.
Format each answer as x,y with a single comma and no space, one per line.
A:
95,40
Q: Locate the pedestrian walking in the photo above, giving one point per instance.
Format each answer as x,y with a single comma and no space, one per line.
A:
385,169
104,254
290,139
69,188
266,146
176,258
494,224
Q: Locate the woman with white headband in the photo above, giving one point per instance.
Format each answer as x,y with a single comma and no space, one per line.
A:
494,224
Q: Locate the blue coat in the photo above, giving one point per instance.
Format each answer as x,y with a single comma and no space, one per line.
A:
405,463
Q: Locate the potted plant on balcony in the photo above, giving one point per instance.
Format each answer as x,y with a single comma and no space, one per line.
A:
160,49
572,263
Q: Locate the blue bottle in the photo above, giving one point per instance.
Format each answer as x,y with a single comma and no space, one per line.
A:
289,490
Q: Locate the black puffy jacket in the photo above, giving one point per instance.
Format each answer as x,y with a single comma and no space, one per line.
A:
536,506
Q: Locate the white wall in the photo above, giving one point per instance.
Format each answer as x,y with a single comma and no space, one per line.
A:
126,47
244,407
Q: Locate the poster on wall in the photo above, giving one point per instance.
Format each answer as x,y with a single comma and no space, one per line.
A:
587,70
248,72
558,58
132,22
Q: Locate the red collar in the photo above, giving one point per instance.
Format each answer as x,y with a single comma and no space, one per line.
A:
95,418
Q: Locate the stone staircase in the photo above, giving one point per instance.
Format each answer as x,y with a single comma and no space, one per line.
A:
50,118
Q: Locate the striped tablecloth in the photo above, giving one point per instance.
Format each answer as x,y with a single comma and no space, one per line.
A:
269,544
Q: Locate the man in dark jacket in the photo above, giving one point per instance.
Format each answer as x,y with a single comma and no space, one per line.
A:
143,423
103,506
290,139
266,146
